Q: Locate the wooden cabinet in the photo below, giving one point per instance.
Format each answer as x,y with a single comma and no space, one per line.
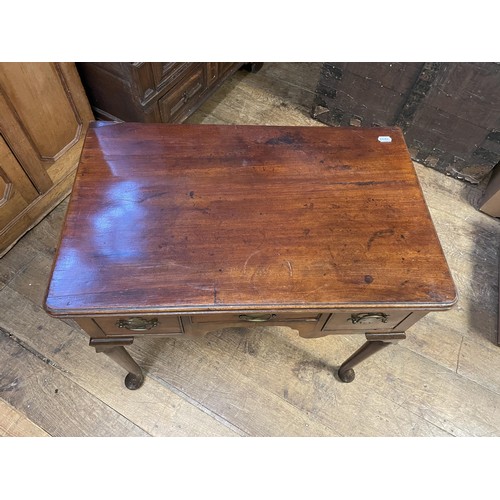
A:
151,91
44,114
16,190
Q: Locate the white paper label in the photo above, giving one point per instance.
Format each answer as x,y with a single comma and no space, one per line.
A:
384,138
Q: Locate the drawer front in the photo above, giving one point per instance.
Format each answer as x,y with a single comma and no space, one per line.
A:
308,324
241,319
365,321
140,325
182,97
167,73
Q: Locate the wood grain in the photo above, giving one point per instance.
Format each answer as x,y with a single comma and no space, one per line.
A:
195,218
14,424
267,384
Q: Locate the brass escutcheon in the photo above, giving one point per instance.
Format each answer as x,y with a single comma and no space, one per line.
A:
368,318
137,324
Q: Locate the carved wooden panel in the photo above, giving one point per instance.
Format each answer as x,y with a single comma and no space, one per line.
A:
183,97
16,191
144,80
44,114
39,95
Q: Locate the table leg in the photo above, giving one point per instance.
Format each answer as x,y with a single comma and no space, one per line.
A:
119,355
374,343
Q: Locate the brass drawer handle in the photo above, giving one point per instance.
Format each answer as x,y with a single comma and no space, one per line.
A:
137,324
369,318
246,317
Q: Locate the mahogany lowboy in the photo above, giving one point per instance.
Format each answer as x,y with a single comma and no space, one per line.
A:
178,230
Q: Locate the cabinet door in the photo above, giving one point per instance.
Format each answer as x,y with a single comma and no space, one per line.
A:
16,190
43,114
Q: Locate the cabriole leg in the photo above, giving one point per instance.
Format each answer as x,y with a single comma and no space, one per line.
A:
374,343
114,349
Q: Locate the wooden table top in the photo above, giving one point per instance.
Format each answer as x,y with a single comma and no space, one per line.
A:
179,218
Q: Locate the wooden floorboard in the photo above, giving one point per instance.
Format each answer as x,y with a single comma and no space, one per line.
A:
14,424
154,409
444,380
270,386
40,389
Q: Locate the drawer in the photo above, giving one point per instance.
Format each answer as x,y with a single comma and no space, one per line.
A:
307,323
256,317
365,321
140,324
183,96
167,73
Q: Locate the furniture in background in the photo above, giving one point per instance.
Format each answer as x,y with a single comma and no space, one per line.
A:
179,230
44,114
151,91
449,112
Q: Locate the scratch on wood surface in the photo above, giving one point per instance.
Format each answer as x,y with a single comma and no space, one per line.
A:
203,287
176,264
315,290
248,259
379,234
290,268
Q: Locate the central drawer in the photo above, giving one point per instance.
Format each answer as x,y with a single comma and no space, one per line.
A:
256,317
306,322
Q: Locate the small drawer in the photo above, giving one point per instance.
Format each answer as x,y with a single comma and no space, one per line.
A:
365,321
140,324
256,317
167,73
183,96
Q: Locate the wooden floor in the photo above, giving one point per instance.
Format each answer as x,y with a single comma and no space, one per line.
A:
444,380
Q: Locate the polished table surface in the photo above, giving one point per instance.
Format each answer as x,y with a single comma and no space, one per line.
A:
190,219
